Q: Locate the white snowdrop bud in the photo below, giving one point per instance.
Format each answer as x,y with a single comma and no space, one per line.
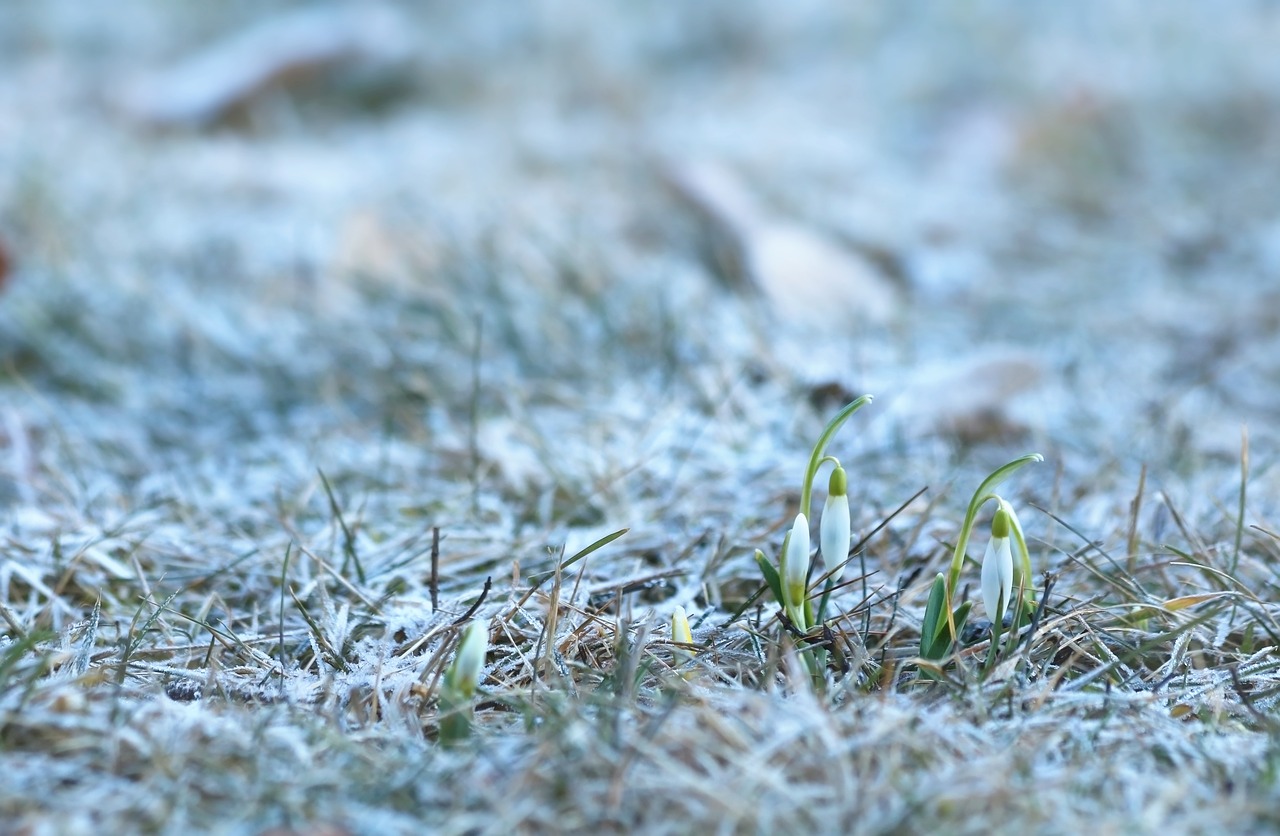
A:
997,568
834,530
795,564
464,674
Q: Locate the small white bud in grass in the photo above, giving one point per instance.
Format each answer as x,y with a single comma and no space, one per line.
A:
795,564
997,568
834,529
460,682
464,675
680,632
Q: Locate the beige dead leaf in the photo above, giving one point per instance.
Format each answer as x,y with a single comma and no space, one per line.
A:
279,52
6,264
397,255
1185,601
809,279
970,397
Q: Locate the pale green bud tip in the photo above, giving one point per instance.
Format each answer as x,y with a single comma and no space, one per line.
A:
680,632
1000,524
838,484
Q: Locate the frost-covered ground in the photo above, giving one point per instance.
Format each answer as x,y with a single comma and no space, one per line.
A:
480,284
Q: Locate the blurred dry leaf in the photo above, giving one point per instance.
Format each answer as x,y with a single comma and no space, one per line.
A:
389,253
1075,148
809,279
968,398
279,52
6,264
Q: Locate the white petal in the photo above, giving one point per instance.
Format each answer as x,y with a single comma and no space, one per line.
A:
997,577
1005,554
834,534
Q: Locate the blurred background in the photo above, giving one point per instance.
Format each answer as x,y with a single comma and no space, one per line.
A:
1037,225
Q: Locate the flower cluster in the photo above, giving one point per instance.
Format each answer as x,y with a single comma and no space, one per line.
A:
1006,572
1006,567
789,580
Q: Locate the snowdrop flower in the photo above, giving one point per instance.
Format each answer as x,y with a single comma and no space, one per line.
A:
834,530
997,568
795,565
464,674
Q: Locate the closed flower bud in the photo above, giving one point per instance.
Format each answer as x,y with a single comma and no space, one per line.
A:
795,563
680,632
997,568
834,530
464,675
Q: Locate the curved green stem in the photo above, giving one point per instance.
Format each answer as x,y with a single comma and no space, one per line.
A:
820,449
985,492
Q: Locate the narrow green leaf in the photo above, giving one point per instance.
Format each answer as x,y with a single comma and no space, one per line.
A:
932,613
771,576
596,546
961,616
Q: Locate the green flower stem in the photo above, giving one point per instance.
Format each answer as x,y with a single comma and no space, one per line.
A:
985,492
993,651
826,597
456,714
820,449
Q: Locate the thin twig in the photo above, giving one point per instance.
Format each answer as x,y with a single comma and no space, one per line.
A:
484,593
435,568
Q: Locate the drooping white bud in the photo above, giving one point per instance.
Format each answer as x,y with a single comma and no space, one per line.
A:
997,569
834,529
